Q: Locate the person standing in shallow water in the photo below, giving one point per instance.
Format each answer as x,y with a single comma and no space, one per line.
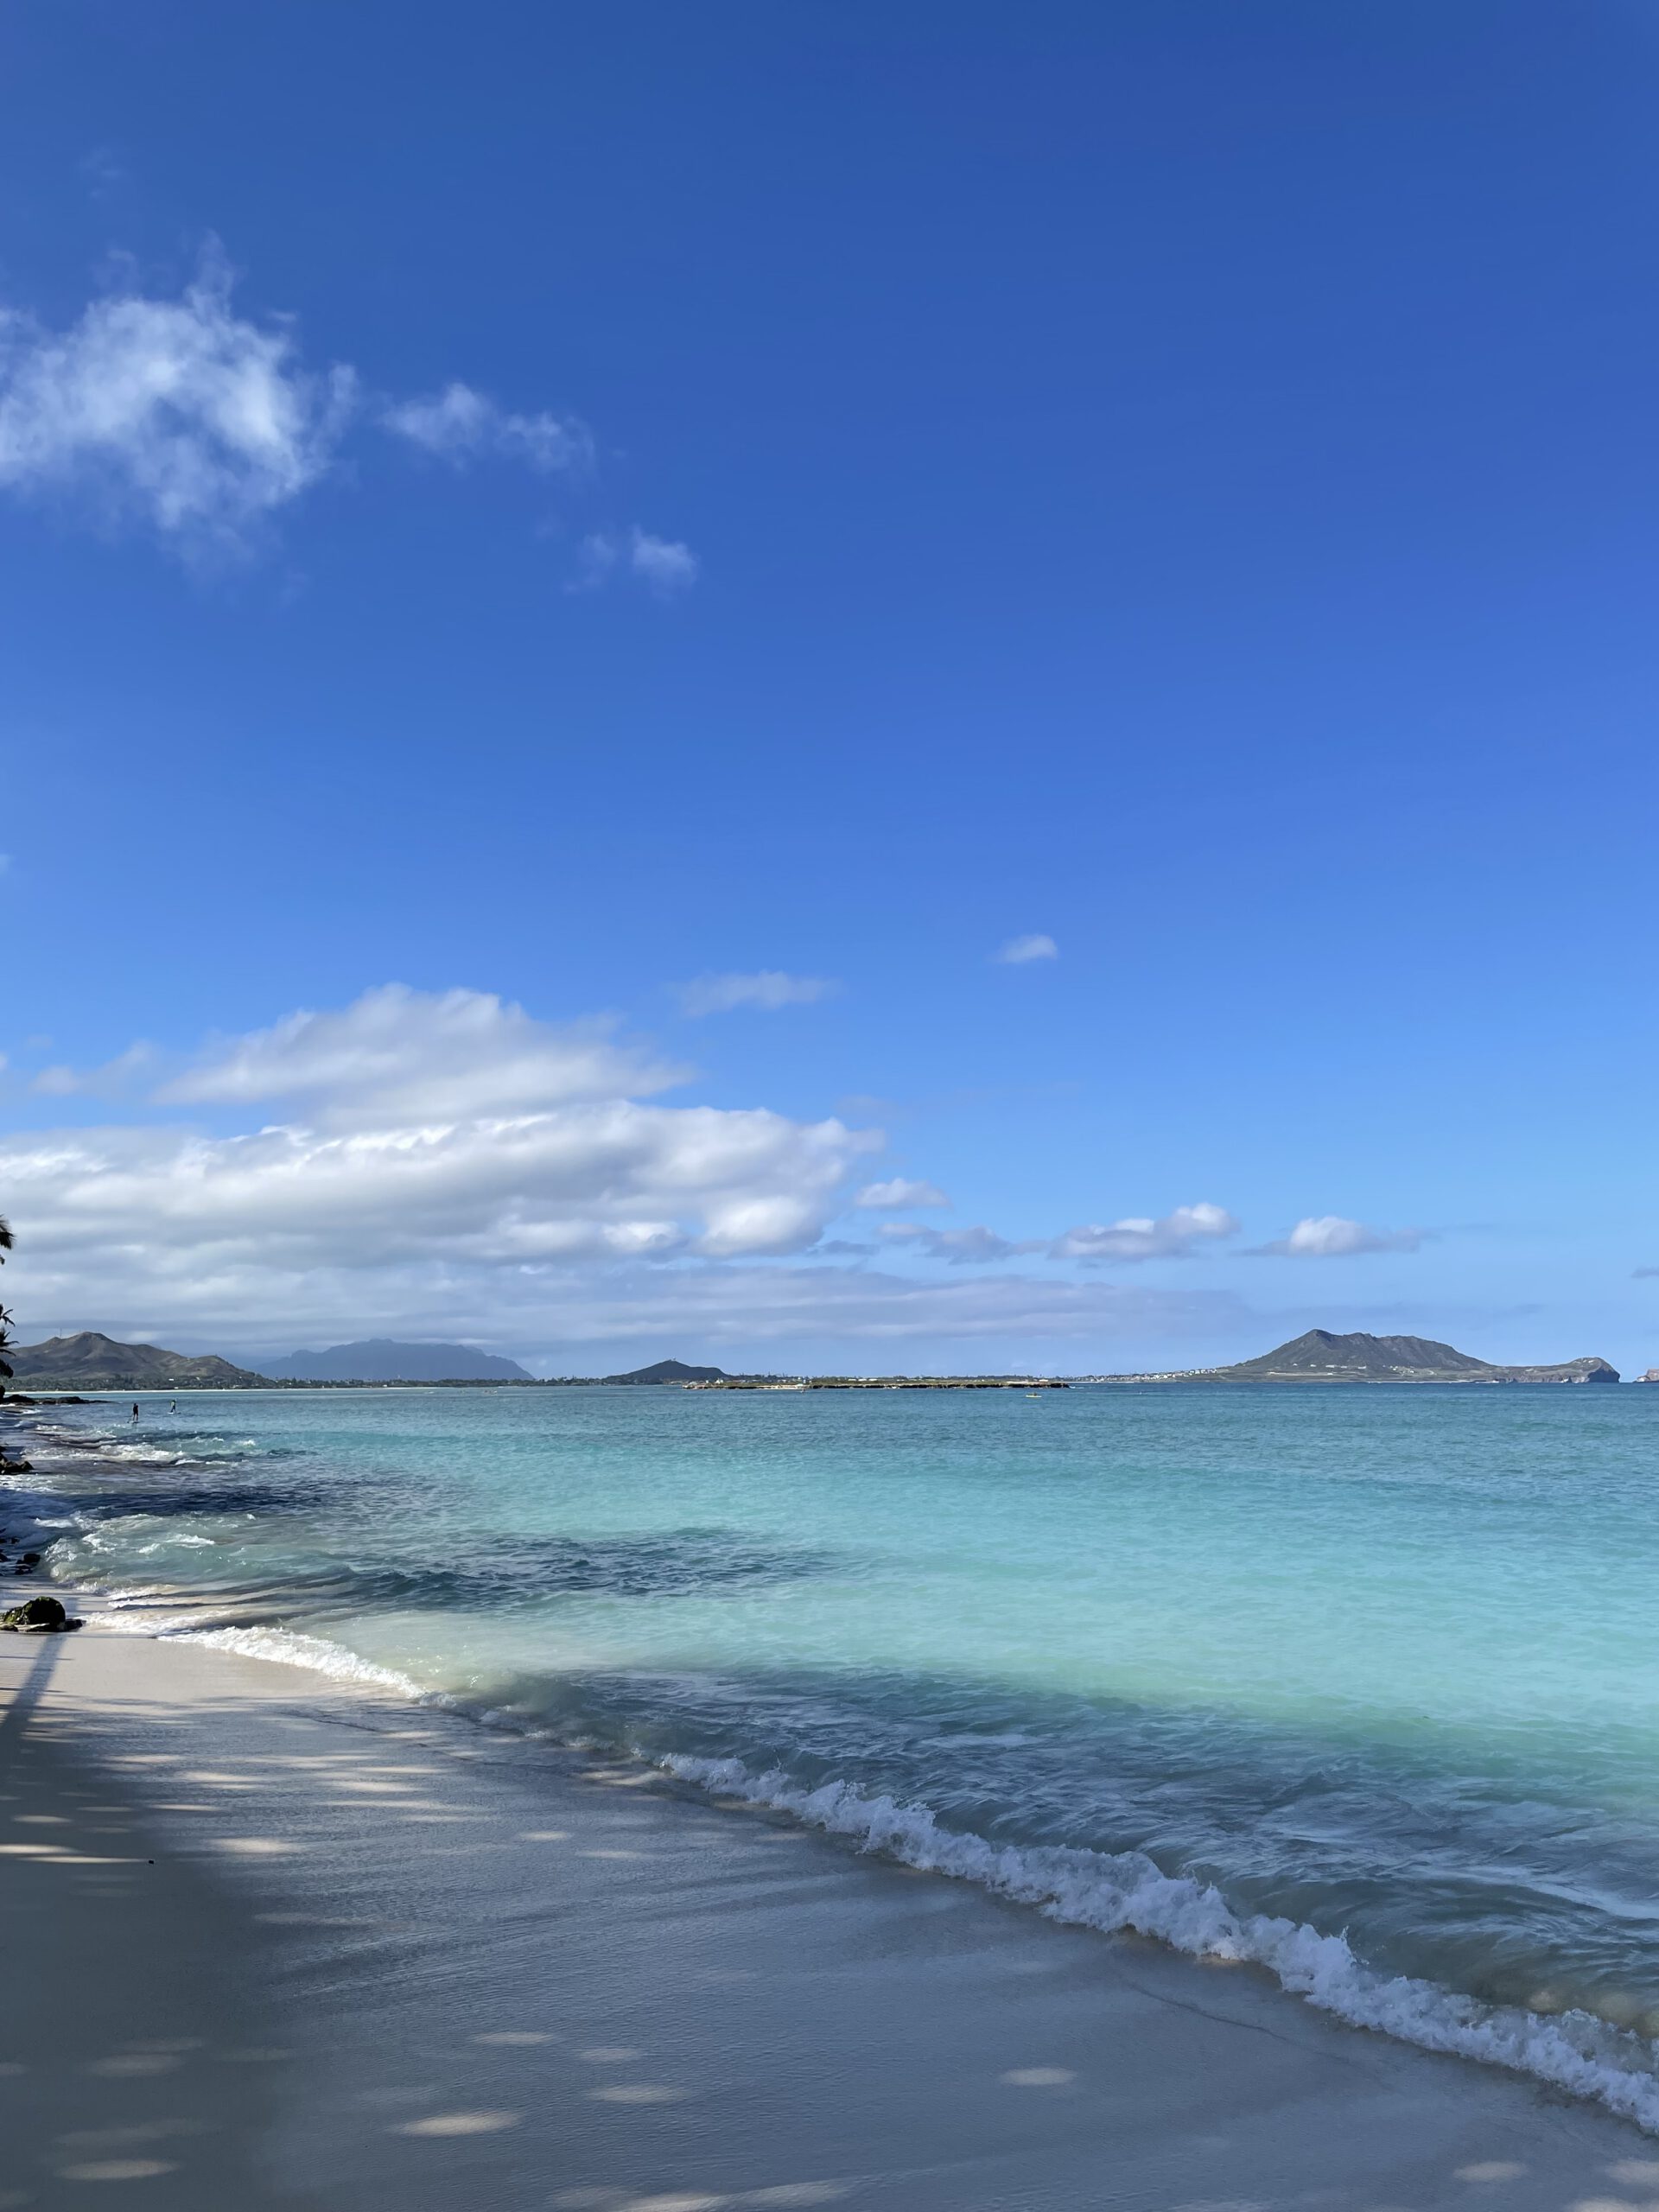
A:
135,1412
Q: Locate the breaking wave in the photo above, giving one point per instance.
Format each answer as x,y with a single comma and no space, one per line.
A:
1115,1891
292,1649
1111,1892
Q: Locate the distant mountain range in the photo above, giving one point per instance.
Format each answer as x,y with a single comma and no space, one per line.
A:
90,1361
379,1359
1320,1356
93,1362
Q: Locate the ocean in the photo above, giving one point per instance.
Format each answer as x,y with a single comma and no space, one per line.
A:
1358,1685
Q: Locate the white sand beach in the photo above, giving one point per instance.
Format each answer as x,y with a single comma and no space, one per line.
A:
272,1940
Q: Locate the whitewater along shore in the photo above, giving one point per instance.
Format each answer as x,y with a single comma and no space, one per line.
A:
276,1940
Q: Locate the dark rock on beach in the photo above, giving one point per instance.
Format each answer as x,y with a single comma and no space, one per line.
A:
39,1617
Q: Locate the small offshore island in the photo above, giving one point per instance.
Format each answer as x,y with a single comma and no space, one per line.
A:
1319,1356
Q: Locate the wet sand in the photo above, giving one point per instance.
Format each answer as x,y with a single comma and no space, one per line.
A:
270,1941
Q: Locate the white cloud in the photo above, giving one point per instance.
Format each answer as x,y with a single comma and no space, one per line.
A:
958,1248
1020,950
400,1057
664,564
899,1192
446,1163
767,990
460,424
1176,1235
449,1133
180,413
1328,1237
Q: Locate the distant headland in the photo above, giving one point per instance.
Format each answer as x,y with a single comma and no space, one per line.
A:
1321,1355
90,1361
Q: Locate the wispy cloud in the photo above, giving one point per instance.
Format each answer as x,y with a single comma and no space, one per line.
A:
196,423
103,172
1329,1236
663,564
899,1192
765,991
179,414
115,1076
1020,951
852,1317
460,425
1641,1273
958,1248
1175,1236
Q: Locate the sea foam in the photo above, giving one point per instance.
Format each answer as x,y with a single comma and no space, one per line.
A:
1105,1891
1112,1891
293,1648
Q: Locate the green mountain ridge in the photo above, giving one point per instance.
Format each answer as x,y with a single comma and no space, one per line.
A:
89,1360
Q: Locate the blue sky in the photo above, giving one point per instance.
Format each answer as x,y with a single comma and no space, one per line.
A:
554,504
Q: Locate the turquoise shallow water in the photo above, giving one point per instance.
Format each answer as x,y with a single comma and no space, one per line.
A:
1359,1685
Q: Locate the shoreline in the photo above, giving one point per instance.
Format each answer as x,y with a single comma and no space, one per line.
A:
368,1698
475,1960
